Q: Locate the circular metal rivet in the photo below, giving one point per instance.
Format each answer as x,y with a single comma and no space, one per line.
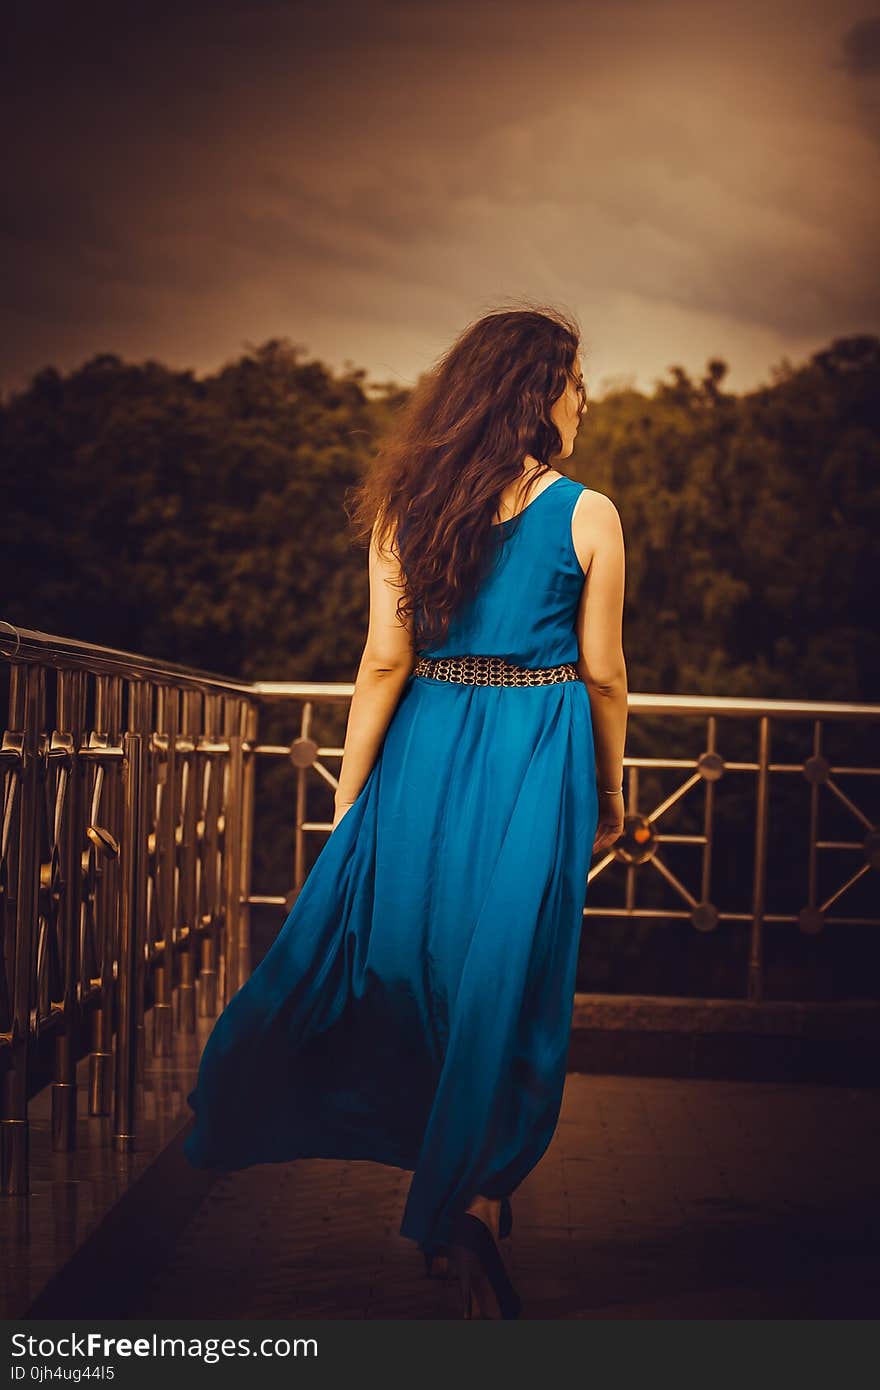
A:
817,770
705,917
811,920
710,766
303,752
872,848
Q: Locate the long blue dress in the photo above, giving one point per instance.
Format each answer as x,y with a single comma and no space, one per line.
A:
415,1007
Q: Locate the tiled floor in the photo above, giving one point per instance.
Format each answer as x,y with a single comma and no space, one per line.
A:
70,1193
656,1199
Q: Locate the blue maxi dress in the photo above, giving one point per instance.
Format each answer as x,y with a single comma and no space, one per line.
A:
416,1005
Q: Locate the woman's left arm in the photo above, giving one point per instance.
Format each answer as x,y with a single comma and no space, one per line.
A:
385,667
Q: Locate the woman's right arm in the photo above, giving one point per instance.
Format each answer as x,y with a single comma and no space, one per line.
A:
598,539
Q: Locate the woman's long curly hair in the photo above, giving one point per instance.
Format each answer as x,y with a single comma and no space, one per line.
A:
434,487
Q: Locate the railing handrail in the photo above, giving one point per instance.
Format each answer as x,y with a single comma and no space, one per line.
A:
639,702
24,644
48,649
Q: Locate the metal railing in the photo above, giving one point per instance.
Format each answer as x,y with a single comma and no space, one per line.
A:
641,845
127,846
124,864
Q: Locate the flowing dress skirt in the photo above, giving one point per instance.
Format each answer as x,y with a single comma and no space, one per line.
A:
416,1004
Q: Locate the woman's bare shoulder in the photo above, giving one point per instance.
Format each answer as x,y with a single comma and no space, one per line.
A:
595,522
595,508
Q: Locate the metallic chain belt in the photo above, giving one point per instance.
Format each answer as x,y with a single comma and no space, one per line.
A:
491,670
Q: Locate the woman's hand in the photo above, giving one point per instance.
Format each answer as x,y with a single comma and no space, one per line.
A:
340,811
610,824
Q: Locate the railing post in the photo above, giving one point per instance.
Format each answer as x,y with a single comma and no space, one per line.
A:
299,862
70,727
251,717
191,720
27,702
756,940
134,898
232,858
108,909
167,723
210,803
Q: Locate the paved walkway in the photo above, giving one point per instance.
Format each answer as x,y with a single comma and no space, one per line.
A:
656,1199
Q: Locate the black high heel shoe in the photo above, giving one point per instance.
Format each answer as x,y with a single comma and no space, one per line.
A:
505,1226
477,1261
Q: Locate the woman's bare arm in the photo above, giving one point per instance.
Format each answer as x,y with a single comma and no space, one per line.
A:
597,535
385,666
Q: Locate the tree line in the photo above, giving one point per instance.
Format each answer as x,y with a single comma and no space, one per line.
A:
201,520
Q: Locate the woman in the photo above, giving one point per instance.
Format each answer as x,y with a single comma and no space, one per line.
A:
415,1007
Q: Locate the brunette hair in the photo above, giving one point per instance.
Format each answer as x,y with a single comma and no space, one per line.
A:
434,486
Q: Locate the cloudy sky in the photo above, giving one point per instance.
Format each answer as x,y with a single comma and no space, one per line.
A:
689,179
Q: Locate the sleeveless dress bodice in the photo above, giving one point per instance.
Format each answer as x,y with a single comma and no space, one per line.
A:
525,610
